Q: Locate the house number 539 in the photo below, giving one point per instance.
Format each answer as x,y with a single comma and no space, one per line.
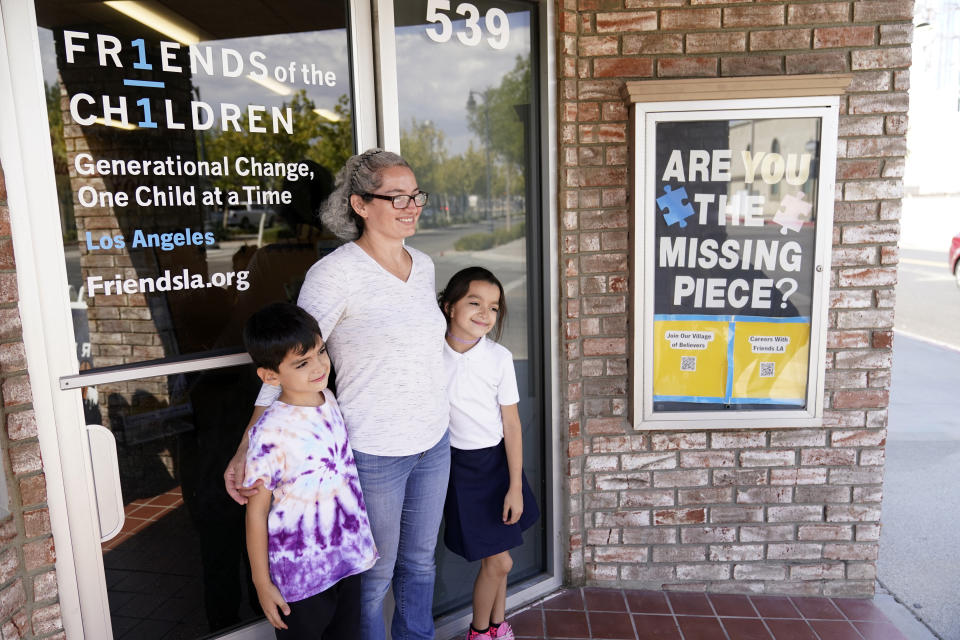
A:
495,20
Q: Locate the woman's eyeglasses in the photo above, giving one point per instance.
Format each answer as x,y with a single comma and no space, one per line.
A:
402,201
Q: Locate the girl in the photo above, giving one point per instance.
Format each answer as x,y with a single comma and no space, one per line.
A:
489,502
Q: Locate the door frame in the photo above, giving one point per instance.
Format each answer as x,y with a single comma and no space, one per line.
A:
48,330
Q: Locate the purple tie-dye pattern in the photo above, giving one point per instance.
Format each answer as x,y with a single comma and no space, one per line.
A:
318,526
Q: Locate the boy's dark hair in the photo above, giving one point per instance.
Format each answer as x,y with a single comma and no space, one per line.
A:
276,330
458,287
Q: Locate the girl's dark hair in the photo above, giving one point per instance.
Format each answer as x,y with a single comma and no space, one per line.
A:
458,287
276,330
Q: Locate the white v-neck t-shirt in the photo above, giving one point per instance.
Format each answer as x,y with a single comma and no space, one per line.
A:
386,339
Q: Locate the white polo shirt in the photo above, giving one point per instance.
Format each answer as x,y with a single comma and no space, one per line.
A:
478,382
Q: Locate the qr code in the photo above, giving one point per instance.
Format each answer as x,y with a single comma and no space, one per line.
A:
767,370
688,363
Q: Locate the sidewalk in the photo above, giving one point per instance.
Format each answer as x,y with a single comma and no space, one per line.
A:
621,614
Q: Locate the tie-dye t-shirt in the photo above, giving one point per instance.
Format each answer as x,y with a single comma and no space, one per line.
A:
318,528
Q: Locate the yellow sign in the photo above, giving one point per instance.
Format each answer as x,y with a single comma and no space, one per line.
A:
690,359
730,359
770,360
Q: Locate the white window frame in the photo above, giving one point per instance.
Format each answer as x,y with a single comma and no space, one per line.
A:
644,117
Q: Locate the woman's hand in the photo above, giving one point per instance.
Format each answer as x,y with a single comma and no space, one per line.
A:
512,506
272,603
233,477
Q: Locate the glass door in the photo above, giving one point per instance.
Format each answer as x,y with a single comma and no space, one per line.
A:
192,145
466,77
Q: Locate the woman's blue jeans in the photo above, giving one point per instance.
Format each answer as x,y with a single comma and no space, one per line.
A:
404,497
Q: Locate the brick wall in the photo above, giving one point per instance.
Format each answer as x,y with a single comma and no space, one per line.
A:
774,510
28,582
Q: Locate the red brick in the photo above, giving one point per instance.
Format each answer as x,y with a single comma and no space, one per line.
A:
764,495
874,81
735,552
727,515
871,233
873,147
589,177
849,256
620,554
708,534
679,516
880,58
852,551
830,37
882,339
753,16
688,66
25,458
45,586
604,425
11,599
678,441
705,496
46,620
8,287
708,459
766,533
795,513
648,498
716,42
604,346
603,263
627,21
737,439
882,11
689,19
780,39
855,211
872,277
12,357
861,399
828,457
896,33
33,490
821,13
653,43
828,62
847,339
36,522
21,425
873,190
760,571
38,554
691,478
767,458
604,304
879,103
597,5
751,66
622,67
9,323
598,46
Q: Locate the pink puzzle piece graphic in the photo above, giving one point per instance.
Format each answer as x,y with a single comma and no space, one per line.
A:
793,212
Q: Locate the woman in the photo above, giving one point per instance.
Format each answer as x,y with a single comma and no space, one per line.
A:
375,301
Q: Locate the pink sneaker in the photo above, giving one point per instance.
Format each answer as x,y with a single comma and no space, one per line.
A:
503,632
473,635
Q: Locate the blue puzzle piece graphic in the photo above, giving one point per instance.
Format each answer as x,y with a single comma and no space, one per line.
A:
673,205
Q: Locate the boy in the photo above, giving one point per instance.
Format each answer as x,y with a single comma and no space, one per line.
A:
308,536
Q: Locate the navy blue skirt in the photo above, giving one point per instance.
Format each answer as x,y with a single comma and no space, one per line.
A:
479,479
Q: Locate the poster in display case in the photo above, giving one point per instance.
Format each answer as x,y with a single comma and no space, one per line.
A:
733,204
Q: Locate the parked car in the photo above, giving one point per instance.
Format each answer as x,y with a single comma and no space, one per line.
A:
955,258
250,218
